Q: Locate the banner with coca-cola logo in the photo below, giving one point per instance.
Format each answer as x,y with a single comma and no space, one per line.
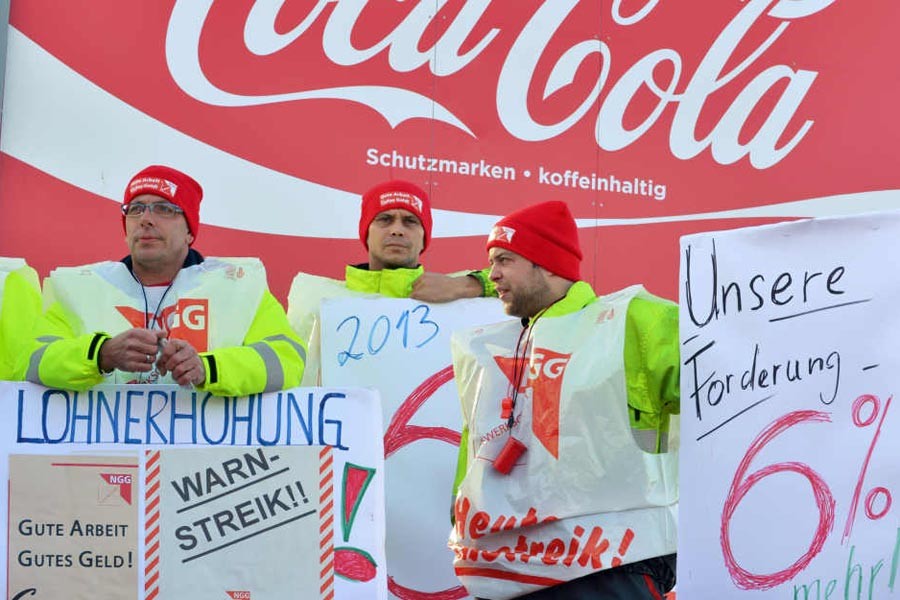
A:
650,118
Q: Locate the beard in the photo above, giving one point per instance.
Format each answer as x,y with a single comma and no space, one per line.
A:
528,299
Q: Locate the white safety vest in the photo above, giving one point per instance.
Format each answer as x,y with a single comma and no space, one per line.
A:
211,305
304,301
583,497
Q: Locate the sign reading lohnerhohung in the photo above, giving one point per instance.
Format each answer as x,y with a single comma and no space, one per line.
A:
171,491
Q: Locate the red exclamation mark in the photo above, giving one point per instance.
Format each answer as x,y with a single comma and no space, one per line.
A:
623,547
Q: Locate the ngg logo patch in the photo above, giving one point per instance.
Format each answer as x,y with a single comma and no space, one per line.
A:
544,377
187,319
120,481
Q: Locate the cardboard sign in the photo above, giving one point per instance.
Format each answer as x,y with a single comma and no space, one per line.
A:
791,426
402,347
73,526
230,519
273,496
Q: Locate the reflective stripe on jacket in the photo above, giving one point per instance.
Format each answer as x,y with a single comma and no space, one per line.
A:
221,306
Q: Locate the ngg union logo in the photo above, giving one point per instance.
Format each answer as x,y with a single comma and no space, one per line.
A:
187,319
543,377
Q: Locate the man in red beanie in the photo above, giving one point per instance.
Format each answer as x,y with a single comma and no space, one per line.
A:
395,229
164,314
564,489
396,215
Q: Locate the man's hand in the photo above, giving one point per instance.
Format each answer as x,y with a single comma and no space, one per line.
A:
183,361
133,350
434,287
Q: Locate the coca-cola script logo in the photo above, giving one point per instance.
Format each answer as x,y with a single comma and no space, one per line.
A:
543,379
465,40
634,112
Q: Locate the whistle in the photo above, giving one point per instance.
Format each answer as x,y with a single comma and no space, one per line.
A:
508,455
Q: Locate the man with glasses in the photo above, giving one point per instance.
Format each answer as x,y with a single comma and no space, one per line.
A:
164,314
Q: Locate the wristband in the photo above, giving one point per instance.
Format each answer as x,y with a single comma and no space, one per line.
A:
94,351
479,277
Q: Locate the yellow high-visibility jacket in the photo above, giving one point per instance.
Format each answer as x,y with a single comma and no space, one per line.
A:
397,283
221,306
391,283
20,307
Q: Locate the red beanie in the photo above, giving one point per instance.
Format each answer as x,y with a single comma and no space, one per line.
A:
394,194
174,186
543,233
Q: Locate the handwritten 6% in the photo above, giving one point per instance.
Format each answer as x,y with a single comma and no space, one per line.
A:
413,329
865,410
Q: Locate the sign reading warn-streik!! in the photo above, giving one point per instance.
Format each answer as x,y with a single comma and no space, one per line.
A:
649,117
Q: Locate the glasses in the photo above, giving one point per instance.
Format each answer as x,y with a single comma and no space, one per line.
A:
160,209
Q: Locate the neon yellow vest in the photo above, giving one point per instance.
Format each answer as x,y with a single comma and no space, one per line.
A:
211,305
7,266
583,497
20,305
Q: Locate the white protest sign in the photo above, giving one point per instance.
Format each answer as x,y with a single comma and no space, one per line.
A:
402,348
266,497
228,512
790,428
